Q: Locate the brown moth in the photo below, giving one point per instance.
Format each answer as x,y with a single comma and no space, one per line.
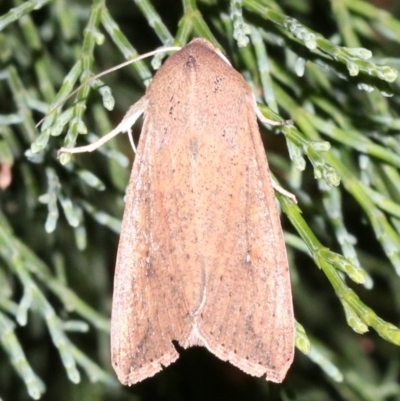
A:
201,258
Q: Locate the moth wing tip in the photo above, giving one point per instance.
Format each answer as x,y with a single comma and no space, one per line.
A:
129,374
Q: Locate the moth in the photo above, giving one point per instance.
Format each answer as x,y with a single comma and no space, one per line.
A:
201,257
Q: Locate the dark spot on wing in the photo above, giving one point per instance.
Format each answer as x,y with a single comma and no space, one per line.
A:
217,83
190,62
194,148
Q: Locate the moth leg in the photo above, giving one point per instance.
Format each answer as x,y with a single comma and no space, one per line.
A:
266,120
134,112
283,191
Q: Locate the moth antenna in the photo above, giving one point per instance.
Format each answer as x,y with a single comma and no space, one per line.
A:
112,69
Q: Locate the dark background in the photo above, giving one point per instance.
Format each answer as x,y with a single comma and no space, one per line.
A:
369,364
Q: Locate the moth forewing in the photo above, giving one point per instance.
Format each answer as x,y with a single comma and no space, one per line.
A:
201,258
